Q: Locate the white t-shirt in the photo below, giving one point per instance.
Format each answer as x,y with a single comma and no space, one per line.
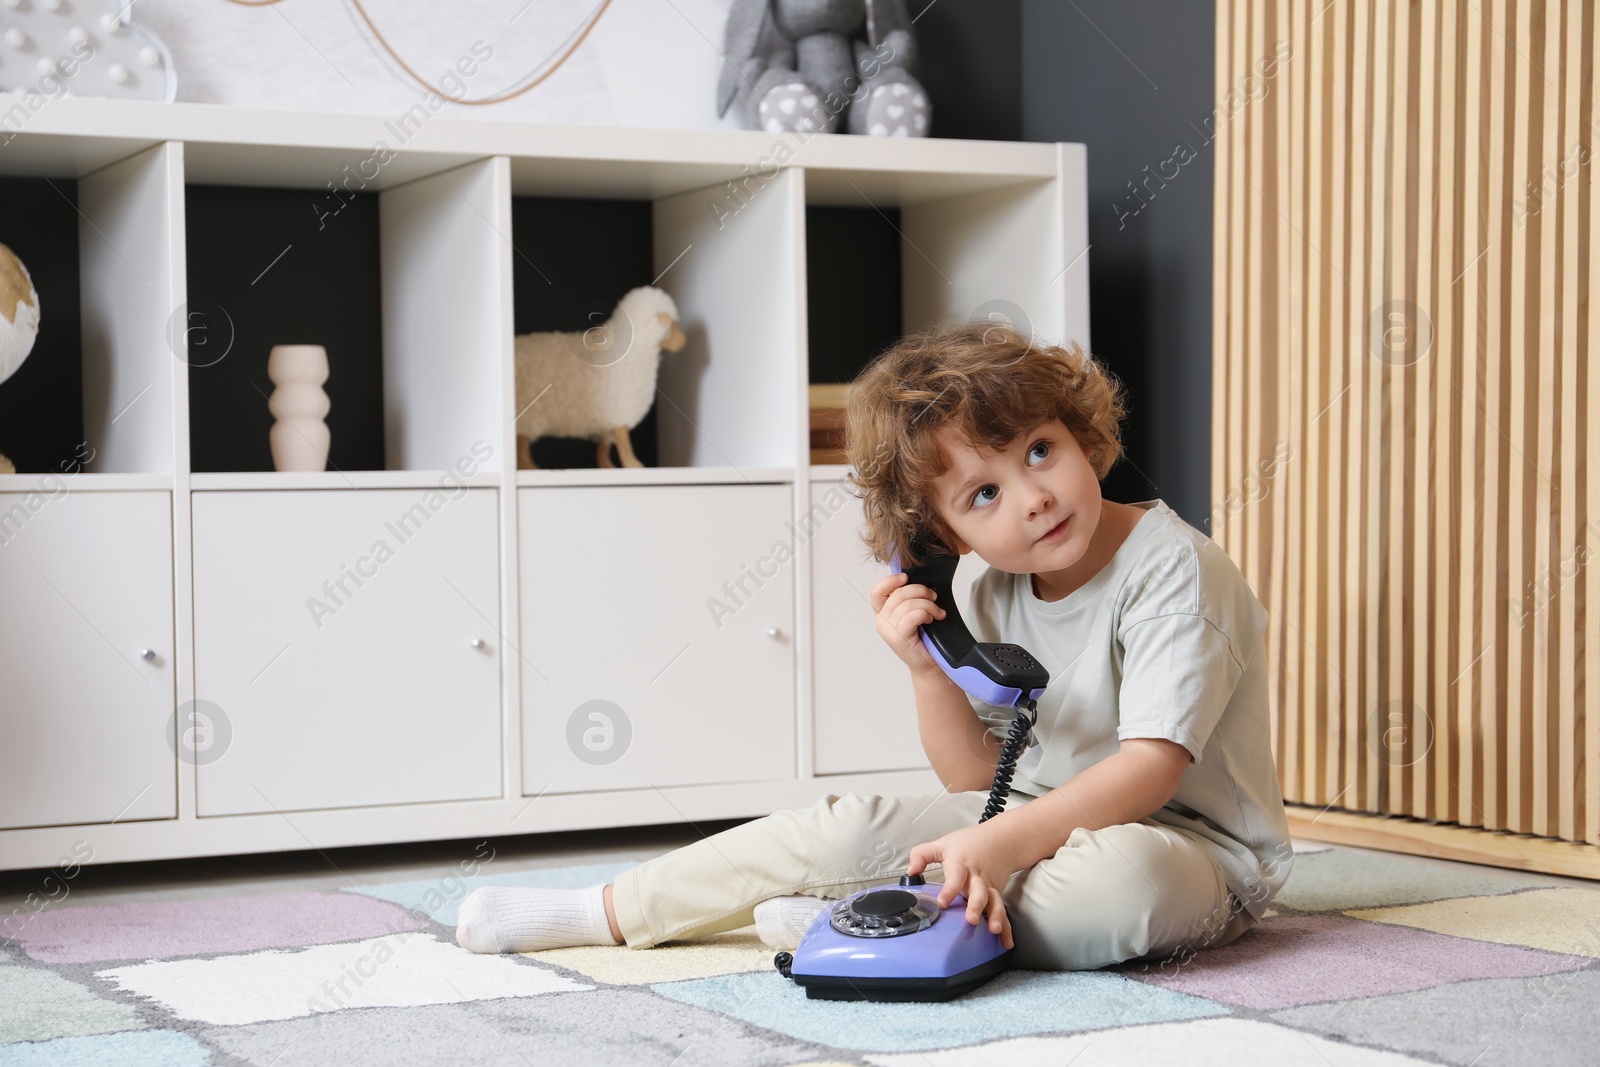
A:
1167,640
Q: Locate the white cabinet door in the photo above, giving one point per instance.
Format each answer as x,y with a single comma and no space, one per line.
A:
346,641
866,715
657,635
86,642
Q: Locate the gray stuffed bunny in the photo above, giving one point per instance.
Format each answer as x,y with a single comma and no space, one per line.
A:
798,65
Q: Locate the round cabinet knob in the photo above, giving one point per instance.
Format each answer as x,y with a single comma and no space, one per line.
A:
476,642
772,632
148,655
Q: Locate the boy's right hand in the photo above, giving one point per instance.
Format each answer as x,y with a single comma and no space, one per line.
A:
898,610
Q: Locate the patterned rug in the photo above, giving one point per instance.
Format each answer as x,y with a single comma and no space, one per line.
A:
1364,960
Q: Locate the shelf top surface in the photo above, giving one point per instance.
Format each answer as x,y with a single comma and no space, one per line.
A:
74,136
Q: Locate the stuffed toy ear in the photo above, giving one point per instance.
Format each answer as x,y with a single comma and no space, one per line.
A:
748,22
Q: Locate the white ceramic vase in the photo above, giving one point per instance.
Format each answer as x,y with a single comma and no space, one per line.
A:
299,437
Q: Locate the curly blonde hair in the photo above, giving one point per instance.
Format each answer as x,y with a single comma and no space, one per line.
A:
990,383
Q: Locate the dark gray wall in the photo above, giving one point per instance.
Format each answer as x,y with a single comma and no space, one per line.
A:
969,55
1132,80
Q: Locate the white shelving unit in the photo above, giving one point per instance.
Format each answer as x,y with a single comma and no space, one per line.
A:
420,651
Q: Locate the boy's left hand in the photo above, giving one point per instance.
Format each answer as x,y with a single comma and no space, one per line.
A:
977,863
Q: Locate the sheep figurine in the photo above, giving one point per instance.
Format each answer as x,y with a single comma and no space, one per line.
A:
595,383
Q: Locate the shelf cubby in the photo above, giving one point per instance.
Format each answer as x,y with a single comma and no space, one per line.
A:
1010,242
572,259
730,397
96,392
401,284
853,288
446,290
262,273
41,405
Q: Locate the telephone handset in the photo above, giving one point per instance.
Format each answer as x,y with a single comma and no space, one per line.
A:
996,672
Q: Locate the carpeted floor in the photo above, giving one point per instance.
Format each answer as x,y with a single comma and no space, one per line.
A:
1366,959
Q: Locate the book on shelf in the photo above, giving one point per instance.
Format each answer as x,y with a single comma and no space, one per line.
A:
827,403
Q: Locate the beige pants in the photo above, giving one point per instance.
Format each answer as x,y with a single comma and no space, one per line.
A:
1137,890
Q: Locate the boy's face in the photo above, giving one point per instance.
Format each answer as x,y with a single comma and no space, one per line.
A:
1008,506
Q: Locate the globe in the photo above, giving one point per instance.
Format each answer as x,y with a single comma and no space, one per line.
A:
19,313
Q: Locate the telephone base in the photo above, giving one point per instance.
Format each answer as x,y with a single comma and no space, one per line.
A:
894,943
897,990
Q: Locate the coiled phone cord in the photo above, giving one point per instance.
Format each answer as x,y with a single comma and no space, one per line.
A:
1016,741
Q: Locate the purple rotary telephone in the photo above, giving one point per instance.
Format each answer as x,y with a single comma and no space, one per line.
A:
889,944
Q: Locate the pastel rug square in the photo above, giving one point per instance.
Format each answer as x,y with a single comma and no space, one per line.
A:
1504,1022
397,971
206,925
149,1048
1016,1002
1560,920
36,1005
726,953
1340,879
605,1027
1301,959
439,898
1199,1043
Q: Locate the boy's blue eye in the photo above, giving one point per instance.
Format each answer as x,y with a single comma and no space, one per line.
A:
976,497
1031,451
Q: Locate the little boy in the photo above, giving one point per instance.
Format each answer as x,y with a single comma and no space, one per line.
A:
1145,818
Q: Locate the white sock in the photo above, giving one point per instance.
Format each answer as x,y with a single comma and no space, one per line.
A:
523,919
782,921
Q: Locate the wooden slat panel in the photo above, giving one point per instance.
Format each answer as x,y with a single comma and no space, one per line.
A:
1421,370
1444,359
1467,679
1546,425
1287,151
1258,326
1405,340
1589,793
1329,420
1538,414
1360,645
1311,54
1523,356
1379,654
1568,648
1354,413
1399,509
1494,366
